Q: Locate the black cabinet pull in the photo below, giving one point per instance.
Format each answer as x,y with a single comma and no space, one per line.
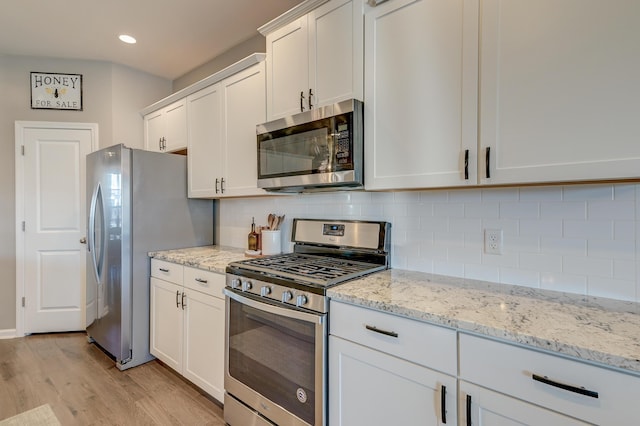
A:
443,403
571,388
301,101
200,280
183,304
163,270
217,181
222,185
310,94
468,410
466,164
377,330
488,162
177,296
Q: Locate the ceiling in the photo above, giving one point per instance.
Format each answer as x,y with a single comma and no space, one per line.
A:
174,36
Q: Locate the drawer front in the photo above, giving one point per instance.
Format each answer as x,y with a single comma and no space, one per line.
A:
207,282
510,369
167,271
425,344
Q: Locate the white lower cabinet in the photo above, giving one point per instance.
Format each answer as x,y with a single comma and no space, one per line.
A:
483,407
187,323
372,381
542,388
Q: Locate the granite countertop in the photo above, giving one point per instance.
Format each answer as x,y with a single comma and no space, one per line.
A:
594,329
210,258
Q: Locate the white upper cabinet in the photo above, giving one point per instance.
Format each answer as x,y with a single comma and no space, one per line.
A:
222,121
314,56
420,98
559,91
204,155
165,130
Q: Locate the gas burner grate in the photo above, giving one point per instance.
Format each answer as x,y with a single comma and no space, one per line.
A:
320,270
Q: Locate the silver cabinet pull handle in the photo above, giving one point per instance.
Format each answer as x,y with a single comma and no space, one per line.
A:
571,388
183,297
177,296
377,330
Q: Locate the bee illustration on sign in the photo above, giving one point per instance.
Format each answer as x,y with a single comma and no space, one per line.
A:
55,92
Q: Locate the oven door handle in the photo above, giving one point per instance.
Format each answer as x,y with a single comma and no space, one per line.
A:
276,310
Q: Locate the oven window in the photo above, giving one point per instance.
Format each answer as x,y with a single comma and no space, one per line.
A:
274,356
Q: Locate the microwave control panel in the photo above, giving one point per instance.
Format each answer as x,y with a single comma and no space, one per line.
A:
342,139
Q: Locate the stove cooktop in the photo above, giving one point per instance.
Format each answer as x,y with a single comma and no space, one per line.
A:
324,271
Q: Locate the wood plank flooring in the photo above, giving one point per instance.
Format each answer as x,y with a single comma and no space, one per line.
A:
84,387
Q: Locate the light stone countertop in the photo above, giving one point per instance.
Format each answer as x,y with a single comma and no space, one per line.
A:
210,258
594,329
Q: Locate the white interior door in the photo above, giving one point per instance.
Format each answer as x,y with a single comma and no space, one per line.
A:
50,252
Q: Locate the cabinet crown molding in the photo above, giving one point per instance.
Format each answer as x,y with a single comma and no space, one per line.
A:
290,16
205,82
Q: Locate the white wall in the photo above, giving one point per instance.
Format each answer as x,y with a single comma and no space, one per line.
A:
579,238
113,95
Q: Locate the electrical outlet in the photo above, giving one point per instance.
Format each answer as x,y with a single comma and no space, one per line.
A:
493,241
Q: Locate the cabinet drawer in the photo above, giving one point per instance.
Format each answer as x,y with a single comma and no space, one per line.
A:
510,369
425,344
207,282
167,271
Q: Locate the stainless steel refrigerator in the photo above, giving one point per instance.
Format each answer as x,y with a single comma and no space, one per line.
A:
137,203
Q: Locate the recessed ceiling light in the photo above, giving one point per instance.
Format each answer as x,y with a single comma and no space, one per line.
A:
127,38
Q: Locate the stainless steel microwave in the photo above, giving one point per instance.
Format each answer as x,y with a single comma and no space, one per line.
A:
320,149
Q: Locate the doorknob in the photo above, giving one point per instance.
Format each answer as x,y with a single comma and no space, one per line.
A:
83,240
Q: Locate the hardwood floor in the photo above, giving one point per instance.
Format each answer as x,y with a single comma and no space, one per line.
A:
83,386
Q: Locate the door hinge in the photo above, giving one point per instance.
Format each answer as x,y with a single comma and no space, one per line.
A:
24,226
23,150
23,301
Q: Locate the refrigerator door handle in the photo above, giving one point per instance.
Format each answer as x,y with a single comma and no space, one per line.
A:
91,246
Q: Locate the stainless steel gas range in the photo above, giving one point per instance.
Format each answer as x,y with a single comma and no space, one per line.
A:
277,312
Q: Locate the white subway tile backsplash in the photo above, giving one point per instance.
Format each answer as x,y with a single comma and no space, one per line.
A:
576,238
612,288
519,210
589,266
547,228
588,229
611,249
611,210
587,192
571,210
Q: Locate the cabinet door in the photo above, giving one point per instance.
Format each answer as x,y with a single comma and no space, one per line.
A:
204,342
204,155
559,90
153,131
367,387
166,322
288,69
420,93
335,52
244,108
176,126
489,408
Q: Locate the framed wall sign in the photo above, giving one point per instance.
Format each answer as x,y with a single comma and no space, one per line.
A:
56,91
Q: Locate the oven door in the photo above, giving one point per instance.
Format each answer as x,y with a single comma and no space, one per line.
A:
275,358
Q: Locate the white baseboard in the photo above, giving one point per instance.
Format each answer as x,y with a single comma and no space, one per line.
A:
8,334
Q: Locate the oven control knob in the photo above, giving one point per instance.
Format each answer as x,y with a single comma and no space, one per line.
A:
301,300
235,283
265,291
286,296
246,286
